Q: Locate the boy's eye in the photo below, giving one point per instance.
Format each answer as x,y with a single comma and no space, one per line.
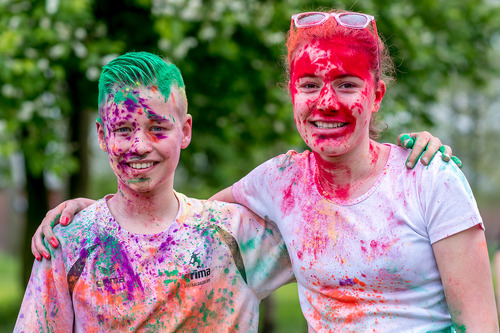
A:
122,130
157,129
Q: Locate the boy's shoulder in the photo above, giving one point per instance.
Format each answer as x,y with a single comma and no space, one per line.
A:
84,228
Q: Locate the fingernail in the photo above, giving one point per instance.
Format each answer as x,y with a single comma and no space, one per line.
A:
425,160
38,257
53,242
64,220
446,157
407,141
457,161
409,164
45,255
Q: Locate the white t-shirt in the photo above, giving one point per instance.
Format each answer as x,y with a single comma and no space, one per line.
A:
206,273
365,265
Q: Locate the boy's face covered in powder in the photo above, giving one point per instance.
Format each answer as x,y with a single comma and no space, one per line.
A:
334,95
143,133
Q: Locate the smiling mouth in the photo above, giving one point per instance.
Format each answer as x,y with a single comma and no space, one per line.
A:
325,125
141,165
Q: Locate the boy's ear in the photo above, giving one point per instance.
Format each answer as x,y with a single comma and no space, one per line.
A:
186,131
101,135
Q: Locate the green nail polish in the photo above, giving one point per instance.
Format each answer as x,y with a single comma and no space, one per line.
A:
457,161
407,141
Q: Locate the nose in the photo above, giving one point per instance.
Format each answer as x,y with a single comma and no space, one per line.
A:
327,101
141,143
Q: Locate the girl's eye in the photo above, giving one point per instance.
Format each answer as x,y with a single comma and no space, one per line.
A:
347,85
308,86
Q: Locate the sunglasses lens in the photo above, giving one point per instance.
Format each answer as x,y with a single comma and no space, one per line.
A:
309,19
352,20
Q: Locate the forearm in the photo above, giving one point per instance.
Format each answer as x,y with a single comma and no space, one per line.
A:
466,275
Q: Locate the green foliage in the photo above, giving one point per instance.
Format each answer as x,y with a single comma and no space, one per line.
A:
230,53
39,51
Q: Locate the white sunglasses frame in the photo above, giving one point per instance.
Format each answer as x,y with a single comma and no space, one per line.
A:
337,16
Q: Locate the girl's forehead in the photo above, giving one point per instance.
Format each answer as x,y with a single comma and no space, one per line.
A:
325,55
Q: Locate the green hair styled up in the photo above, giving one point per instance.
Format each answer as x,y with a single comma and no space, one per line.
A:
134,69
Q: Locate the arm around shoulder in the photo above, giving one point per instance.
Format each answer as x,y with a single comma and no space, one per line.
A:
465,271
225,195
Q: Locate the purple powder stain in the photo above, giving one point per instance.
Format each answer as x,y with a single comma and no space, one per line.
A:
347,282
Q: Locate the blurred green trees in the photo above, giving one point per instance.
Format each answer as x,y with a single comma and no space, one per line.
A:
230,52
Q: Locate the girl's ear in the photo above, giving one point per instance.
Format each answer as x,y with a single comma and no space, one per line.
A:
379,95
101,135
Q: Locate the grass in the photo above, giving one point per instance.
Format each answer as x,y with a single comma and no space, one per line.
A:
289,318
11,292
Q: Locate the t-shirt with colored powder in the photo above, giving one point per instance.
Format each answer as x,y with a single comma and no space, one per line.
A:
365,264
206,273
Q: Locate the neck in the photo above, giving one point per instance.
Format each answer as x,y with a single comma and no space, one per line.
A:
144,212
352,174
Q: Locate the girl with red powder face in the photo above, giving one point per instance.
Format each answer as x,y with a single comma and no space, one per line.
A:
374,246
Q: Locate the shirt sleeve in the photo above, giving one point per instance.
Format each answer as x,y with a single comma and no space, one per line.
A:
449,203
260,190
266,263
47,305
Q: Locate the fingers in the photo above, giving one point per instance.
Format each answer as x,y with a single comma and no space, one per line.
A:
457,161
433,146
421,140
37,246
71,208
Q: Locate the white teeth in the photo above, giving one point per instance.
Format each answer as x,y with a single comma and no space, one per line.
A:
141,165
322,124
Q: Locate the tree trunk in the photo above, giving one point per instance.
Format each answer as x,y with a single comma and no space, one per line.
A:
37,208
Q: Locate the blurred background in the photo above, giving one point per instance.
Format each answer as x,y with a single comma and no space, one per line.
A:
230,53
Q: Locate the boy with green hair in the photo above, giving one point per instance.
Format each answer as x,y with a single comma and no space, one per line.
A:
148,258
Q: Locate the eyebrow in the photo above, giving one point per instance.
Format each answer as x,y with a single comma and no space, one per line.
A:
156,117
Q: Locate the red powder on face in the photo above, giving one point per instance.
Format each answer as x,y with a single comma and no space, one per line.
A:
338,54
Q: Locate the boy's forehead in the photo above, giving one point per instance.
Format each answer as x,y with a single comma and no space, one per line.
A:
148,100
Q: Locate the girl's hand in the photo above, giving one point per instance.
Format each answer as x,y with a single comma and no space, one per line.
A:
61,214
424,146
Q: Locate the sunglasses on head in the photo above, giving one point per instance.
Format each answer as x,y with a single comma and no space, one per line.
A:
349,20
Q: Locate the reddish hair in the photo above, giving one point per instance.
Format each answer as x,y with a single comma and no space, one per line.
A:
362,40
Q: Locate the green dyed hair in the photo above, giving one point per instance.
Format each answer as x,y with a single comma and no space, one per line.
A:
135,69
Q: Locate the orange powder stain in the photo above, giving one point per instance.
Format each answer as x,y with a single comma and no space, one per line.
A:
152,137
361,283
139,111
173,98
154,88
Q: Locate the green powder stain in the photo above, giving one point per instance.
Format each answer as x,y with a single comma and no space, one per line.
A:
226,271
138,180
174,273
